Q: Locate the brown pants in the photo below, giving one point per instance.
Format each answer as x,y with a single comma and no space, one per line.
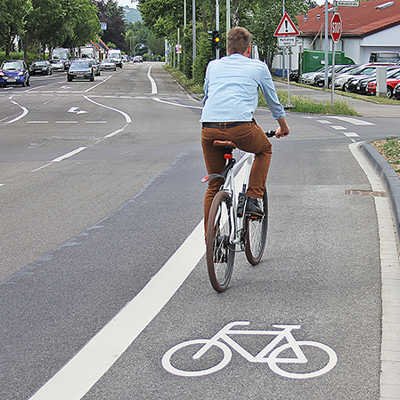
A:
248,137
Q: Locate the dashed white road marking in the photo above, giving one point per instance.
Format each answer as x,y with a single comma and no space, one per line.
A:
66,122
338,127
96,122
61,158
37,122
351,134
152,81
76,378
353,121
323,121
1,184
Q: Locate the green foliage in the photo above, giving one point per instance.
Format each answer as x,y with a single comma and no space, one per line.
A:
19,55
204,55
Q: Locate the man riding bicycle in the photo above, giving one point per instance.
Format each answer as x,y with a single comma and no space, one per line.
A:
231,98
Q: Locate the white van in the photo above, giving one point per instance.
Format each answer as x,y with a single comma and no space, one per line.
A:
116,56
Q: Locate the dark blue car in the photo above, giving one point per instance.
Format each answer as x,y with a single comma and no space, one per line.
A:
14,73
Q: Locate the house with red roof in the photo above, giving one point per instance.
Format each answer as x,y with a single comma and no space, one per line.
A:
372,27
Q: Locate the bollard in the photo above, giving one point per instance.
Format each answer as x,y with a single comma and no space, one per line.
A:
381,88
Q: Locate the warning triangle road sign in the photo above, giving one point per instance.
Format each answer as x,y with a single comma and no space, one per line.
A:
286,27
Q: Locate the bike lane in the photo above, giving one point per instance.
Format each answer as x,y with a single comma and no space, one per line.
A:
320,272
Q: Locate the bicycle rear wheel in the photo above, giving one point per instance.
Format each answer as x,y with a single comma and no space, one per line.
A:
220,254
256,234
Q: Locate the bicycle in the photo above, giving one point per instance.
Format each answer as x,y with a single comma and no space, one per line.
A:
230,229
274,354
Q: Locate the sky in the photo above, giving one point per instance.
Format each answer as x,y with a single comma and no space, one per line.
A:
130,3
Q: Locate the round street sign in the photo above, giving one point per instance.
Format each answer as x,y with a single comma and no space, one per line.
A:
336,27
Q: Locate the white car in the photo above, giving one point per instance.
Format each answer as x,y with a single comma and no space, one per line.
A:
57,65
108,65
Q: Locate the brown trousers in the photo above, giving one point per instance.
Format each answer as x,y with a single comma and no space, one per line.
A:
248,137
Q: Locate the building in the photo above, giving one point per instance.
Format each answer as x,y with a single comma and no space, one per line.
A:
372,27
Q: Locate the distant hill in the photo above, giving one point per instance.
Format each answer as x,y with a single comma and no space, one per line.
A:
132,14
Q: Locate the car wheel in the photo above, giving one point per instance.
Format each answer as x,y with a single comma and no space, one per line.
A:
28,83
23,83
69,79
115,69
346,88
91,78
389,92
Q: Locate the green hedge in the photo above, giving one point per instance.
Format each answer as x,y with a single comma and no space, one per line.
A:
19,55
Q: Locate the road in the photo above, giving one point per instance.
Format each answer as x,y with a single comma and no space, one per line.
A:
102,269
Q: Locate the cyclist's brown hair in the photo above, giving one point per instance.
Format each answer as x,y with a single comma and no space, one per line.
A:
239,39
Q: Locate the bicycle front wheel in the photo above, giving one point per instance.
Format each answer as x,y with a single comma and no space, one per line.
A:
220,253
256,234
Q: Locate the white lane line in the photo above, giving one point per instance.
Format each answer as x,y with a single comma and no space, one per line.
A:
24,112
66,122
115,132
1,184
390,281
353,121
76,378
175,104
68,155
30,90
126,116
95,86
351,134
61,158
96,122
152,81
338,127
323,121
37,122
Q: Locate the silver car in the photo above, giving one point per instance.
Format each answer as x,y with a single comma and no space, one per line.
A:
108,65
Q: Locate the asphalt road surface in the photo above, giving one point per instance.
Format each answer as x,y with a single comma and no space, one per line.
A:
102,270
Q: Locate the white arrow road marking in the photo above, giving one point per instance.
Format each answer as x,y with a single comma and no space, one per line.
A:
76,110
65,87
338,127
24,112
323,121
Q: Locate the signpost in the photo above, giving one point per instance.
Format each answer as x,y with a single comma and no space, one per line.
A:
286,33
348,3
336,32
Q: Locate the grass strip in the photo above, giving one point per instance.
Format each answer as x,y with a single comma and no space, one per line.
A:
390,150
187,83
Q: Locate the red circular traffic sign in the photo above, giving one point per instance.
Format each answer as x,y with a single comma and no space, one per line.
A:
336,27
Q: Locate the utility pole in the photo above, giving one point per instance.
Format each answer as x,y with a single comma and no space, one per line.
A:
184,14
194,31
217,26
326,46
228,22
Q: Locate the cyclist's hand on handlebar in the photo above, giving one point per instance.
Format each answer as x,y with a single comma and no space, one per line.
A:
279,132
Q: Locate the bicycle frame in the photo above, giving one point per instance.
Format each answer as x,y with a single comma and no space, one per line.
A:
261,357
232,185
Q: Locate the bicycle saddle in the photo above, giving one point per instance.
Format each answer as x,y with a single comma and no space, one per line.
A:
224,143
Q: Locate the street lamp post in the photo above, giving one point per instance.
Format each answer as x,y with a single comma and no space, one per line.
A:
326,45
194,30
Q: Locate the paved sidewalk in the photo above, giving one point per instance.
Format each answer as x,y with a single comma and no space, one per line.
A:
365,108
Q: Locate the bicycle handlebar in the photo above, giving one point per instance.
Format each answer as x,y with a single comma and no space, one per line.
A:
270,133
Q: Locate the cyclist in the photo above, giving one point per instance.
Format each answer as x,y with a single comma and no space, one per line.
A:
231,97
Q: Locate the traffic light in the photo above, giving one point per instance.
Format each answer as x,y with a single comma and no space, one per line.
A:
216,39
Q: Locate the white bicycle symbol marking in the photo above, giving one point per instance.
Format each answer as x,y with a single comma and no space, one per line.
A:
272,359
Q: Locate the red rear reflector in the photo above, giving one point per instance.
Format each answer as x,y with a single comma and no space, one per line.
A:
205,179
227,156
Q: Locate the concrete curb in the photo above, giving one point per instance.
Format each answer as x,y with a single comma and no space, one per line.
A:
391,181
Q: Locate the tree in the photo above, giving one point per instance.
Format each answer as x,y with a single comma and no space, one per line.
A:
110,12
13,19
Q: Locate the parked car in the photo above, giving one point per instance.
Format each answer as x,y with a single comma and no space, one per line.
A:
14,72
368,86
57,65
40,67
294,76
309,77
396,92
108,65
80,69
339,69
354,84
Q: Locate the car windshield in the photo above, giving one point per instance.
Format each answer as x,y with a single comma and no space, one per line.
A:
366,71
40,63
80,64
395,75
12,65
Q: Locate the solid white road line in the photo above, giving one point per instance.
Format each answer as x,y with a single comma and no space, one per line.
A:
351,134
175,104
76,378
95,86
152,81
338,127
353,121
126,116
24,112
323,121
390,278
70,154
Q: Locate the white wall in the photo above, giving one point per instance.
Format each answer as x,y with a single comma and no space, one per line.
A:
351,48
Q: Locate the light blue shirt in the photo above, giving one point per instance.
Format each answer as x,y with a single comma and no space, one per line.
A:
231,90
